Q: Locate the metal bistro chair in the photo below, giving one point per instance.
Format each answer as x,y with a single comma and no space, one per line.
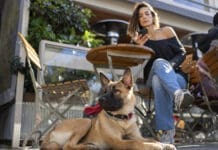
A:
199,121
46,95
202,121
145,110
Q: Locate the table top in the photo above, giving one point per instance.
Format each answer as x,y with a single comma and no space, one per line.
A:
98,56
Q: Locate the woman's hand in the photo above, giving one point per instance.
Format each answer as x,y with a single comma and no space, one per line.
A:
140,39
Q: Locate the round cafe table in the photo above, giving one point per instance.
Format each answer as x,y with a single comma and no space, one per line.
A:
119,56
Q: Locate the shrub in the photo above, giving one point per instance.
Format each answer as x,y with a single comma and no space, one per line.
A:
61,21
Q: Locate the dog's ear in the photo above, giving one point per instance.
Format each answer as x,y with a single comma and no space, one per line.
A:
127,78
104,80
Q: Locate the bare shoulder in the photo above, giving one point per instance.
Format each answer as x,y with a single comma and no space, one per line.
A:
168,31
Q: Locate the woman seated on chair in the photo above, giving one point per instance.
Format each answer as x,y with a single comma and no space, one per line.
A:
162,73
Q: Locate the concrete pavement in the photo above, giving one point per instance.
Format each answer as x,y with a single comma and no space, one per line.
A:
200,146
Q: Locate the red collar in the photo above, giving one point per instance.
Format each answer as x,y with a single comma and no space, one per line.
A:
120,116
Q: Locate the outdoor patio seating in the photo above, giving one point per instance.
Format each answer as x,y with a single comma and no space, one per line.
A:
202,79
200,119
56,98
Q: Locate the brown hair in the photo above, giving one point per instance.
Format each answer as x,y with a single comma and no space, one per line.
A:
134,20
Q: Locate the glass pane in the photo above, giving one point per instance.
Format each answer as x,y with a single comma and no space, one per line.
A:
54,74
65,64
192,3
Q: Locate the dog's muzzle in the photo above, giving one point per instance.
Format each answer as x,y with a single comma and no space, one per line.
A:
109,103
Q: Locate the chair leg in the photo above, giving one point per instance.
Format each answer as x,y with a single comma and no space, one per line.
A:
199,126
188,130
52,111
146,122
206,98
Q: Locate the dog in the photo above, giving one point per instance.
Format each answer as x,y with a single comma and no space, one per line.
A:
114,127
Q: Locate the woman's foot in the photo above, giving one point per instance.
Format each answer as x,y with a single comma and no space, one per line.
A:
182,99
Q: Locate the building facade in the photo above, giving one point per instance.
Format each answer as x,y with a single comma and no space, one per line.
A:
184,15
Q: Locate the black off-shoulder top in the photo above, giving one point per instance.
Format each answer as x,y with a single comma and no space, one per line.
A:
169,49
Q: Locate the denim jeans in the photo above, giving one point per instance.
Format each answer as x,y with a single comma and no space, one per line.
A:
164,82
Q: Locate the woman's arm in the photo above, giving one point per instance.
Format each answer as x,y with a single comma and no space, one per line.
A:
177,47
140,39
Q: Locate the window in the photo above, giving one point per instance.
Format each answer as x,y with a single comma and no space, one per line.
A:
199,4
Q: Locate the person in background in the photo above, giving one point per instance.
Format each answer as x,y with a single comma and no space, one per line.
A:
205,43
162,73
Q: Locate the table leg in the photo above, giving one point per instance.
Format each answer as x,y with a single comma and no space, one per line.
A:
115,77
139,69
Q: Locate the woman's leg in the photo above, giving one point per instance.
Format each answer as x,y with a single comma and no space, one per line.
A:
165,82
164,103
164,109
166,74
168,78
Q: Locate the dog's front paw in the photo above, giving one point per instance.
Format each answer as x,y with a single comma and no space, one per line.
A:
169,147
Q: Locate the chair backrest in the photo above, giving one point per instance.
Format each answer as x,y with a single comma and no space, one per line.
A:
201,78
33,57
211,60
54,91
30,51
189,66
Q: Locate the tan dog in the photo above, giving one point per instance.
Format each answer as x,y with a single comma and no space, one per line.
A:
114,127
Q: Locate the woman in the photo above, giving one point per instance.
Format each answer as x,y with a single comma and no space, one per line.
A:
162,73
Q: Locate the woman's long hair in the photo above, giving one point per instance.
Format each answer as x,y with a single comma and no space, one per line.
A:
134,20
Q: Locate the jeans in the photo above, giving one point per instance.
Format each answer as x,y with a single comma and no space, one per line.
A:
164,82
